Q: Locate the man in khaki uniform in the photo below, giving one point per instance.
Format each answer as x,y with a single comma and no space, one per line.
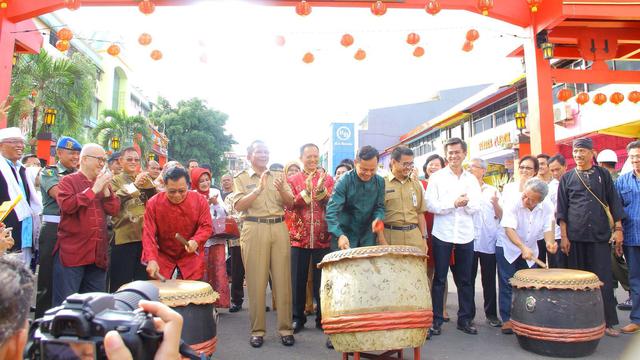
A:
261,196
404,203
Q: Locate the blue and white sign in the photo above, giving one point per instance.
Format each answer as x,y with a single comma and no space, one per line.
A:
343,143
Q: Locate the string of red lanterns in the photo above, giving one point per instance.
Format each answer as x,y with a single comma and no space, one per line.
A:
64,34
418,51
582,98
616,98
303,8
432,7
360,55
634,96
471,36
144,39
156,55
378,8
62,45
146,7
413,38
484,6
308,58
467,46
600,99
564,95
346,40
113,50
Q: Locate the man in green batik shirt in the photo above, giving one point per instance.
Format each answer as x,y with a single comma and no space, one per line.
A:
357,204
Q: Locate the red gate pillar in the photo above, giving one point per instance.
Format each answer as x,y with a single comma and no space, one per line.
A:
7,43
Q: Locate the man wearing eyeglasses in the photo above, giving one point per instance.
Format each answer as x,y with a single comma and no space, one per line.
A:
133,188
85,199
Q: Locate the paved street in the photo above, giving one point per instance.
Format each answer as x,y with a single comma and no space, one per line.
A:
233,336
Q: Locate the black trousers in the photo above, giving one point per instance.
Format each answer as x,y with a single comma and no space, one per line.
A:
125,265
488,277
237,275
542,250
596,257
299,271
558,260
48,239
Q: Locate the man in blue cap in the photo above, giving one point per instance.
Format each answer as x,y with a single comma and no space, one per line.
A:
68,152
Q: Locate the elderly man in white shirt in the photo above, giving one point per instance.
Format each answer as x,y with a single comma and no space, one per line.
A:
453,195
525,221
486,223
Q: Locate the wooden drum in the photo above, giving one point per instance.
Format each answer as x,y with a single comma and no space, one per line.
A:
557,312
375,298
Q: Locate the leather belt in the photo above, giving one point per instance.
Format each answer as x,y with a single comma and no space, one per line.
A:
401,228
51,218
265,220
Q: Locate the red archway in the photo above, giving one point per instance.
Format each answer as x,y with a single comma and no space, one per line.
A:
593,30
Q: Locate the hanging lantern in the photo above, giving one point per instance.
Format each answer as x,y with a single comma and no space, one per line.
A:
473,35
378,8
146,7
413,39
468,46
616,98
280,40
521,121
564,95
156,55
432,7
534,4
64,34
347,40
152,157
308,58
634,96
582,98
600,99
72,4
115,143
62,45
360,55
50,117
113,50
484,6
418,51
303,8
144,39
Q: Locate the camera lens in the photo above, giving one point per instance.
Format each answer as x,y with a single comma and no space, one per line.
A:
127,299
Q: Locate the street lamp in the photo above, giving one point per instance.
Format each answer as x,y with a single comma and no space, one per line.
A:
542,41
115,143
521,121
50,117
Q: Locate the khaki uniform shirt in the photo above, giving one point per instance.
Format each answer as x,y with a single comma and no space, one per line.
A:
269,202
403,201
127,225
49,178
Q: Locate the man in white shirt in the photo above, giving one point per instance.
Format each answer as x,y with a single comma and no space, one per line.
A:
453,195
486,222
525,221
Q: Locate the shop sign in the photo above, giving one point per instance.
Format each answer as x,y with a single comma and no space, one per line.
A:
502,141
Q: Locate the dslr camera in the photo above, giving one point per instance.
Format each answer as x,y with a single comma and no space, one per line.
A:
76,329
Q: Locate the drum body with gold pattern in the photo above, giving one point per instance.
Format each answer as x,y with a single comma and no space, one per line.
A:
375,298
557,312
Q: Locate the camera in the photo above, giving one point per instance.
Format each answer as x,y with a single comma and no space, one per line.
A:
76,329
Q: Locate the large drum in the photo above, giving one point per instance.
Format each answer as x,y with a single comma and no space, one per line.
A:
557,312
375,298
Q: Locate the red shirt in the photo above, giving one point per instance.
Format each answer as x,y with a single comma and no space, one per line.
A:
307,224
162,220
82,232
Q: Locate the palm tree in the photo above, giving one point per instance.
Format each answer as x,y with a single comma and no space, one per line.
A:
65,84
129,129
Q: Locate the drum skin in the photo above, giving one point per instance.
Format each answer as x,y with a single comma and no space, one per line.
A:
368,283
563,317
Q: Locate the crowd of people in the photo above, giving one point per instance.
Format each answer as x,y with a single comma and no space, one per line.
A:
97,222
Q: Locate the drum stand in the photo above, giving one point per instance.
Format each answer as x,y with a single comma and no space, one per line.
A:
387,355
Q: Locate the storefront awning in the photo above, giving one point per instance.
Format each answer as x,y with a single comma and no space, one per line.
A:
630,130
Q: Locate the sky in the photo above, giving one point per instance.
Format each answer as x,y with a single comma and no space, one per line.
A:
226,53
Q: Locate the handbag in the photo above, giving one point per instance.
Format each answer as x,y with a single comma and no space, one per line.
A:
607,211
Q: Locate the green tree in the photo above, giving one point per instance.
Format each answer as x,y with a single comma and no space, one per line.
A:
195,132
39,82
127,128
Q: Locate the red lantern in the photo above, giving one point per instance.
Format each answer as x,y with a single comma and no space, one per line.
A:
379,8
280,40
473,35
484,6
72,4
144,39
146,7
533,5
303,8
432,7
308,58
582,98
418,51
413,39
564,94
360,55
113,50
600,99
62,45
616,98
156,55
347,40
634,96
64,34
468,46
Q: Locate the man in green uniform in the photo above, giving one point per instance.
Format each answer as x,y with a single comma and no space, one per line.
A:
68,152
404,203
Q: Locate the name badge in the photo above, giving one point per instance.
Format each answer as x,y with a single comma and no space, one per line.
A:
390,191
414,198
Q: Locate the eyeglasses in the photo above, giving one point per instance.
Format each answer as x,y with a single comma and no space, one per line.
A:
525,168
132,160
407,164
100,159
174,191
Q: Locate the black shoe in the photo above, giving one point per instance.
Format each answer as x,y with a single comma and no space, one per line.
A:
235,308
329,344
297,326
435,330
625,305
468,328
256,341
494,321
288,340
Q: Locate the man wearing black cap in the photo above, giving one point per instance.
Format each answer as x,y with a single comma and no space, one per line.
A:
114,163
589,213
68,152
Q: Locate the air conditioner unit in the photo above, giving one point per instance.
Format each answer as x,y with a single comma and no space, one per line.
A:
562,113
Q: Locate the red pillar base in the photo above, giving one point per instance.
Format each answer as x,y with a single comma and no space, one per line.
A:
43,148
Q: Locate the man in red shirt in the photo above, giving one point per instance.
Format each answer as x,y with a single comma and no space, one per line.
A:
176,211
310,240
85,199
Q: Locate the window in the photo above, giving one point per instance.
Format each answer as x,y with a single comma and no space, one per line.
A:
482,124
53,38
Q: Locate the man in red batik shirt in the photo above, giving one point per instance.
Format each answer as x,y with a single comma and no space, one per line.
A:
310,240
176,211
